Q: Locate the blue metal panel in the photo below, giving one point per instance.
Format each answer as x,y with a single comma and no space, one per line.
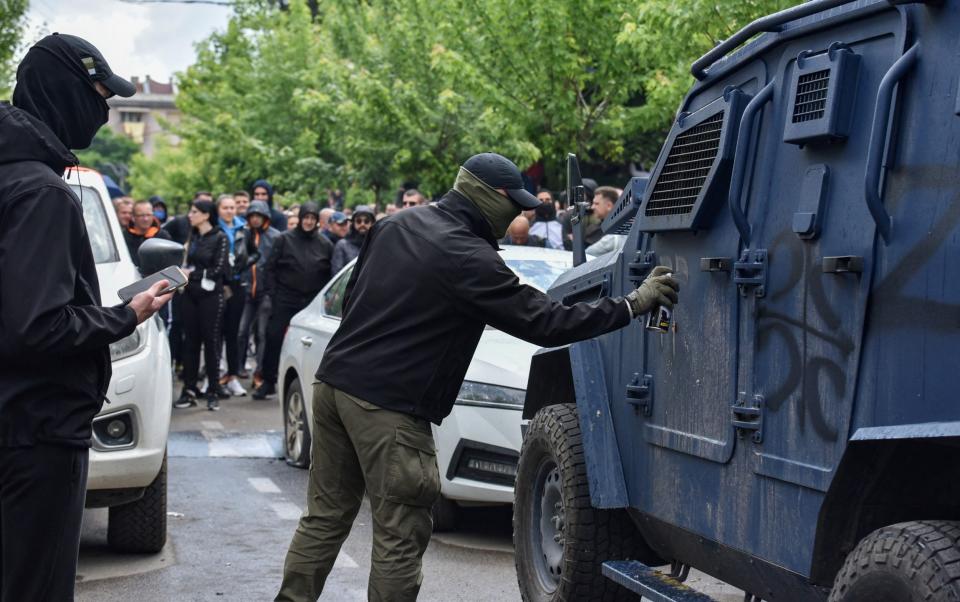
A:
607,488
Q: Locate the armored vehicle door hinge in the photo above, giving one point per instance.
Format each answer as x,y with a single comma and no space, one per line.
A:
749,418
640,393
751,272
641,265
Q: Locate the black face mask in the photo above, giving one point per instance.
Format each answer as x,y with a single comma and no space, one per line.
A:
61,95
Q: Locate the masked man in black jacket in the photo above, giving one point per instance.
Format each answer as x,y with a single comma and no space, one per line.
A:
426,282
298,267
54,335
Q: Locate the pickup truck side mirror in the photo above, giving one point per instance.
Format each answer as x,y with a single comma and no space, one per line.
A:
157,253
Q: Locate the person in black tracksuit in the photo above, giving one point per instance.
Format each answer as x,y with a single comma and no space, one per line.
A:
54,335
208,266
298,267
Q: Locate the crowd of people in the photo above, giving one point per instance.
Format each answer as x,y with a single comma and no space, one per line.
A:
252,267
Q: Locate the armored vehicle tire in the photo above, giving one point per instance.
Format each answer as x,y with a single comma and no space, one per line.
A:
906,562
560,539
296,430
141,526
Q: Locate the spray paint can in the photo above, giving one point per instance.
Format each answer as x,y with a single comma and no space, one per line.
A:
659,319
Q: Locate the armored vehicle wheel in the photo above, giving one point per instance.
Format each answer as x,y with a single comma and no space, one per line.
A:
907,562
560,539
296,430
141,526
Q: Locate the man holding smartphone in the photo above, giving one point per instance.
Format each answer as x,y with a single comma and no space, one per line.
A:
54,334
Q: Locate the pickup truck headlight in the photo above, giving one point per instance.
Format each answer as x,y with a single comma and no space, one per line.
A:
130,345
493,396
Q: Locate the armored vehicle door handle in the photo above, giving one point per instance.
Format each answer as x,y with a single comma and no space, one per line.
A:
878,139
843,265
740,160
715,264
306,341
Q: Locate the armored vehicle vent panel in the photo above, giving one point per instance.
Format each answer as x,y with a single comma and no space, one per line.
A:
688,165
811,99
621,219
693,172
822,93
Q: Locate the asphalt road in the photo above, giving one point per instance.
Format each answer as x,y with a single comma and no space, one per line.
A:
233,507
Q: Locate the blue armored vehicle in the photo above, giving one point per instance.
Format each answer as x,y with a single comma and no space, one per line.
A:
796,431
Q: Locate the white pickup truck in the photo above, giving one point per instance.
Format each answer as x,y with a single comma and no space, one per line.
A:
128,462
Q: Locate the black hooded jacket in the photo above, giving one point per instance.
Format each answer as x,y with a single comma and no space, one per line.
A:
54,335
299,263
426,282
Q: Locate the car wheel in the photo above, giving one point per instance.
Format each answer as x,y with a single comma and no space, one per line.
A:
907,562
445,513
296,429
559,537
141,526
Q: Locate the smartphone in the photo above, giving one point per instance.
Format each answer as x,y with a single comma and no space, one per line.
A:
172,275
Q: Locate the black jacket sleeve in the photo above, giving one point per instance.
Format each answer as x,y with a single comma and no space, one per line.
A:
270,268
487,288
42,240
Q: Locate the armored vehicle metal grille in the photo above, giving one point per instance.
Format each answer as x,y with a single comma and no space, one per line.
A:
686,169
811,101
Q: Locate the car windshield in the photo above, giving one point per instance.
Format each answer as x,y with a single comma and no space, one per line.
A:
538,273
98,226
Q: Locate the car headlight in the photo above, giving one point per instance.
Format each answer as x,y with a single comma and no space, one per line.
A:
129,345
484,395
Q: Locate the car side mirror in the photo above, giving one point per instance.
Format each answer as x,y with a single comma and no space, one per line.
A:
157,253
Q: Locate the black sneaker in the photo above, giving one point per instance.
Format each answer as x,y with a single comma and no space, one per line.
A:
213,404
222,392
264,391
188,399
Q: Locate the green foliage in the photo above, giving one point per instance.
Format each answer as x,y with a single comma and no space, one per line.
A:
12,17
110,154
371,94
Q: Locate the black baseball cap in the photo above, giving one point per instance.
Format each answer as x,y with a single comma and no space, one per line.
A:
496,171
89,59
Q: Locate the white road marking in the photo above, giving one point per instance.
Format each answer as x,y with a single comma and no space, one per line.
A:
263,485
345,562
212,425
286,510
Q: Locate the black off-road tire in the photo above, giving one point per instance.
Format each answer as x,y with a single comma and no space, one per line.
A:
906,562
141,526
588,536
445,515
293,457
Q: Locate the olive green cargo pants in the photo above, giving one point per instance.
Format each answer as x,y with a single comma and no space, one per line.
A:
358,446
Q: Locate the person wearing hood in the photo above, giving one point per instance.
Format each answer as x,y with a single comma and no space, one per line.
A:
159,208
263,191
426,283
144,225
54,334
348,247
298,267
234,227
257,305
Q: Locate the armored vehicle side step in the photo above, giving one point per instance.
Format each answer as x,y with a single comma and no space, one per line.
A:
650,584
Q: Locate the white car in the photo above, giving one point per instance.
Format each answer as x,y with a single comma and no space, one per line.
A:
128,468
478,444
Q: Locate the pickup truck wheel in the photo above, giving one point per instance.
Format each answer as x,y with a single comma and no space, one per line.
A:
906,562
296,429
560,539
141,526
444,515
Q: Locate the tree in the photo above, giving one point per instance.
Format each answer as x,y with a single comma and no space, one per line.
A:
110,154
12,20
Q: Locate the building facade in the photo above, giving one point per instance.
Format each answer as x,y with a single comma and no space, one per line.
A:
147,116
